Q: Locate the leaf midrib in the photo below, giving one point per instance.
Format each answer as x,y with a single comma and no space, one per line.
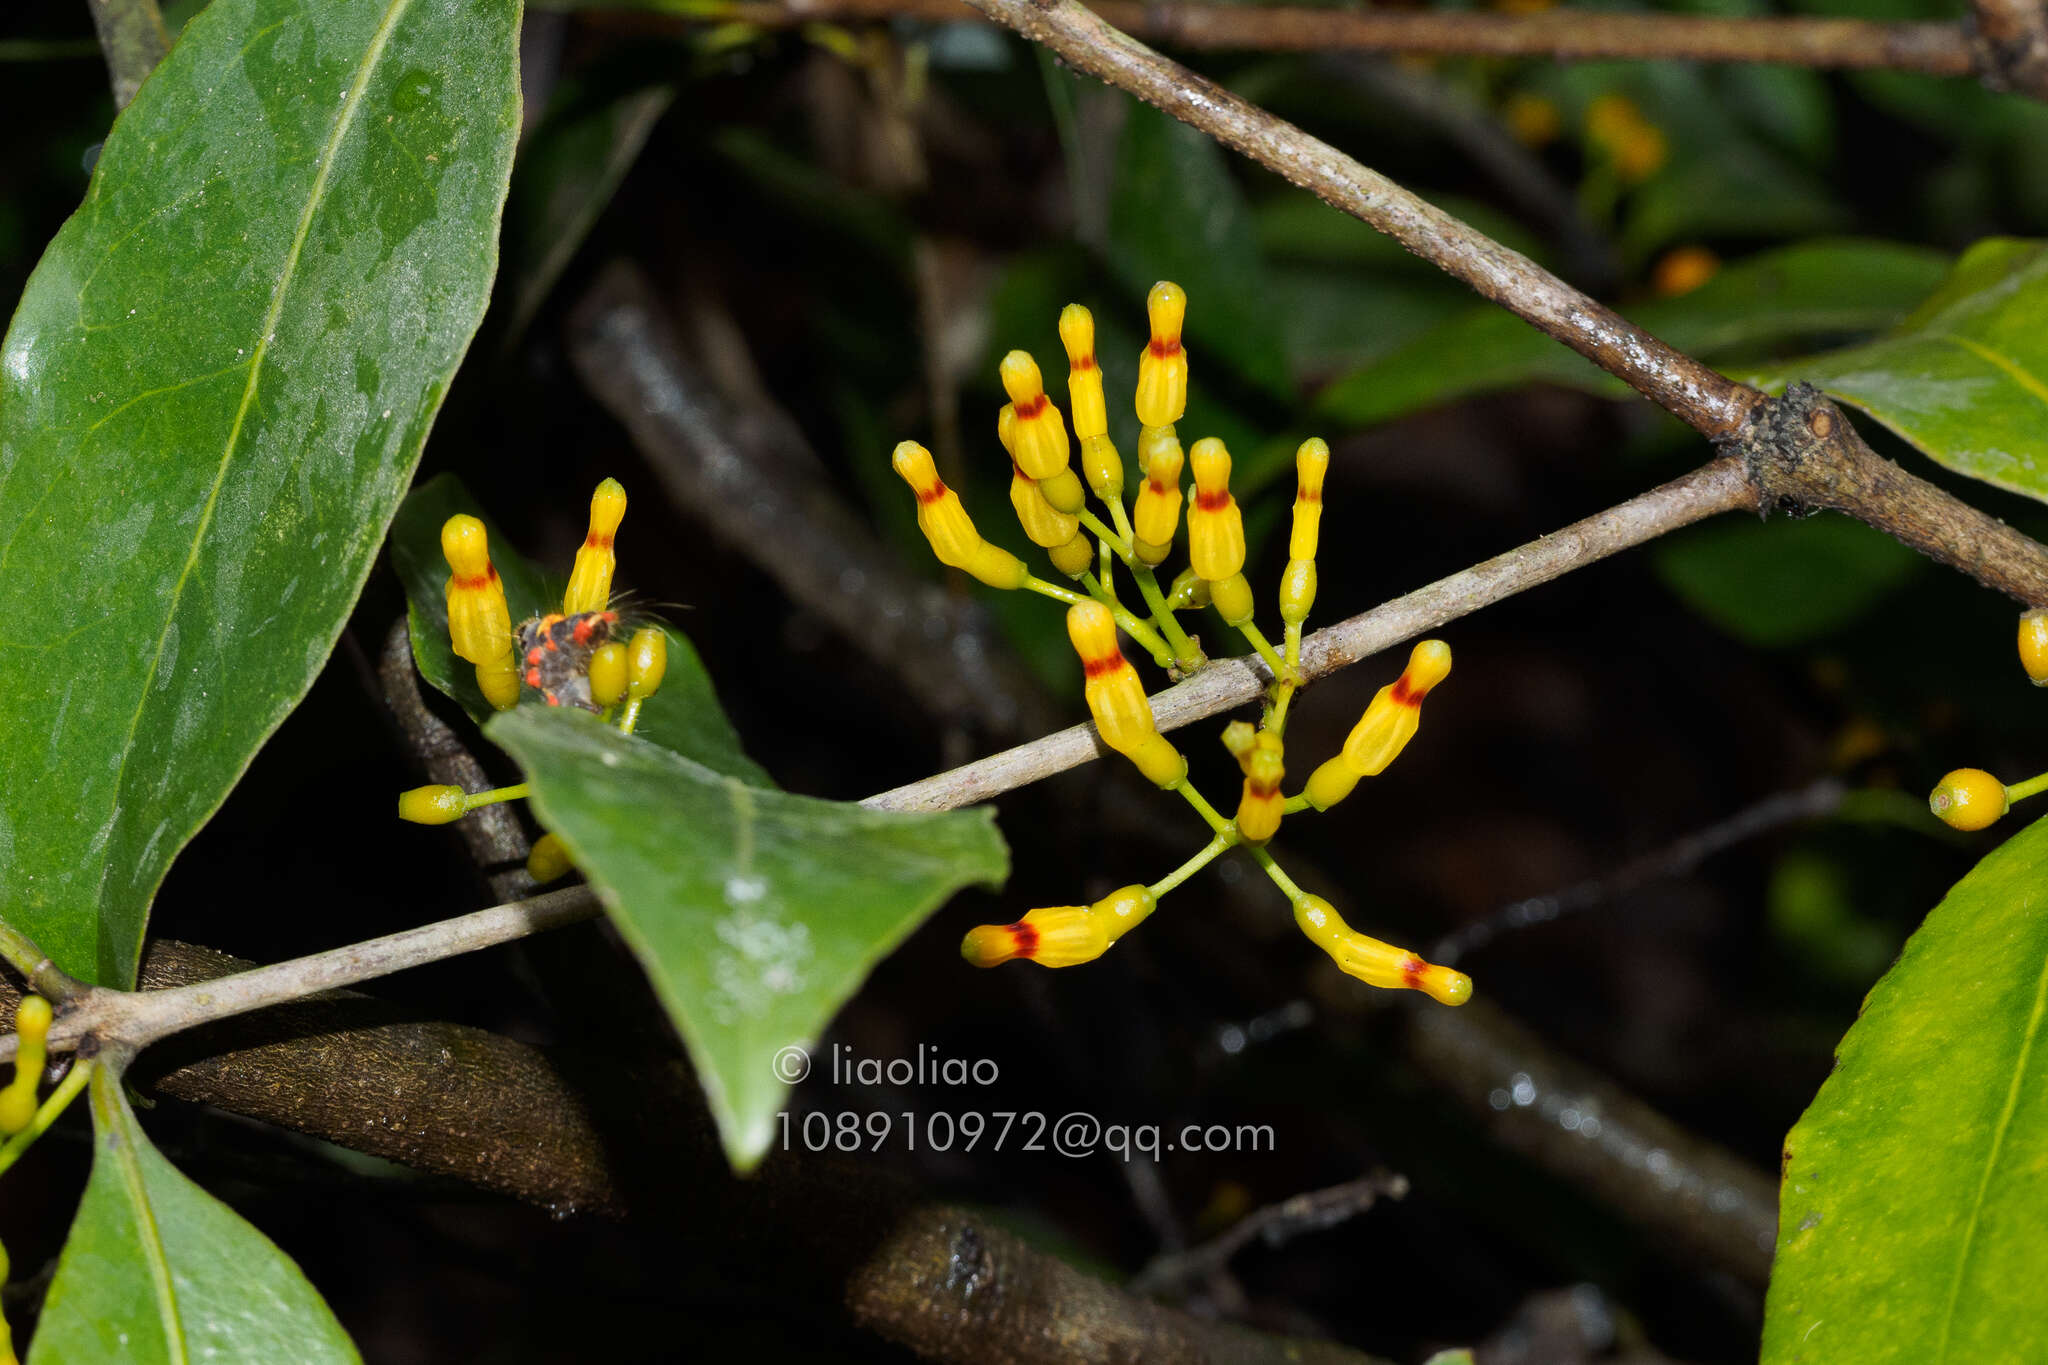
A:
344,120
116,1123
2012,1099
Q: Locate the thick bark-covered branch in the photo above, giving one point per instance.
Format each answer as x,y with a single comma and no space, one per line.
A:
134,39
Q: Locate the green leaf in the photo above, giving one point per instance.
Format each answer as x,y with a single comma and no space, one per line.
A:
1783,582
1965,377
567,174
755,913
684,715
158,1270
1176,214
211,397
1816,288
1916,1185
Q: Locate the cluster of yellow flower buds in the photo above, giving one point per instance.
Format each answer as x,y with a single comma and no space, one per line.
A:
1050,505
570,656
1972,799
32,1031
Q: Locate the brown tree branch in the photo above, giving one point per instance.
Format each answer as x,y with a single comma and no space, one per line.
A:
2011,45
134,39
1934,49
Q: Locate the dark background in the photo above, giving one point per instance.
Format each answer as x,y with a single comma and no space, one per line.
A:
1592,721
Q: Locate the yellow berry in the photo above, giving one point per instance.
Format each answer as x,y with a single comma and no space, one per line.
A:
435,805
479,622
549,860
1374,962
947,526
590,582
1215,526
1968,798
1163,364
608,674
1157,515
1084,376
1123,715
1054,936
2034,645
646,662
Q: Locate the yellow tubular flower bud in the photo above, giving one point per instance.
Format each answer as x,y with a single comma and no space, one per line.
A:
607,673
1215,526
646,662
499,681
1260,806
549,861
1084,376
1163,364
1054,936
1374,962
1041,433
435,805
1311,462
479,622
1073,558
1157,515
590,582
1104,467
1396,711
1968,798
1233,598
1116,698
2034,645
1046,526
18,1100
1297,590
1240,737
1330,783
947,526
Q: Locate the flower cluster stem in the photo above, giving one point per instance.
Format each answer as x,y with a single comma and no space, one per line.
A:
1222,842
47,1113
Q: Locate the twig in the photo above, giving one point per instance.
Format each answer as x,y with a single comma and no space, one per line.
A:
2011,47
132,1021
1677,859
1578,1125
496,843
1276,1224
1720,486
1934,49
42,975
133,36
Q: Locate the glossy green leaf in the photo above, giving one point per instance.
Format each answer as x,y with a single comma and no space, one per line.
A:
684,715
1176,214
1916,1186
158,1270
1814,289
1784,581
755,913
1965,376
567,173
211,398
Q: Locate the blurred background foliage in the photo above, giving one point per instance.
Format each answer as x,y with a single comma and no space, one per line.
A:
850,226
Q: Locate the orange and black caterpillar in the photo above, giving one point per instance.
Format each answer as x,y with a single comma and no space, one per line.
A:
555,654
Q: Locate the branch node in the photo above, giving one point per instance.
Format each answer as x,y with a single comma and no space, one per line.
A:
2009,45
1788,444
